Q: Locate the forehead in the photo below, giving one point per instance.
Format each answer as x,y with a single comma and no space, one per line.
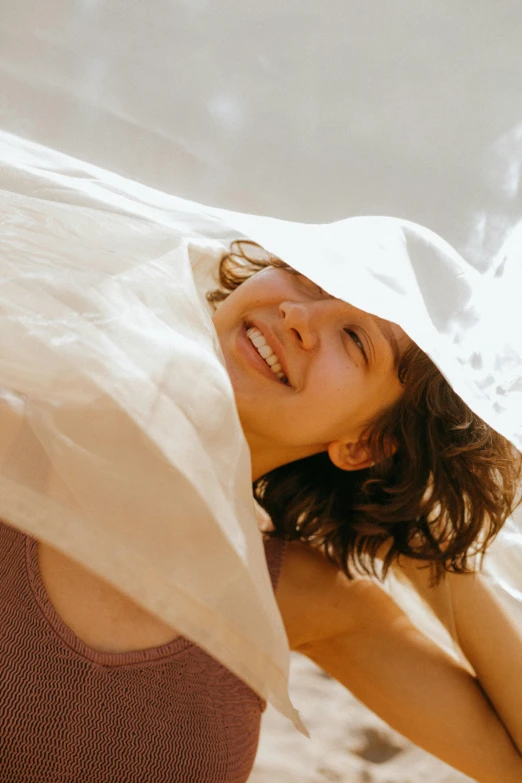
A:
396,337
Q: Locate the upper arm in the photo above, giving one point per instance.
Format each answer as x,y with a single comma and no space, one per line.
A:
315,598
355,632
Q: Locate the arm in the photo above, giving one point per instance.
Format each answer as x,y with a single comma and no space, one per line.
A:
491,642
356,633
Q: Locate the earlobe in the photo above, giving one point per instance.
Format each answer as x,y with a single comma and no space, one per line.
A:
350,456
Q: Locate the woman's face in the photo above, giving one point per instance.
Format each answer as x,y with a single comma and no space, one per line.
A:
308,371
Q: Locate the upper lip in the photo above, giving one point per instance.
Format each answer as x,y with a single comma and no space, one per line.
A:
274,344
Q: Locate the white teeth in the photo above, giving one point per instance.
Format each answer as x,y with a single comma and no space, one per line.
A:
264,350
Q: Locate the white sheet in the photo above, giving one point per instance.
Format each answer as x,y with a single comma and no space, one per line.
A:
306,111
106,332
121,443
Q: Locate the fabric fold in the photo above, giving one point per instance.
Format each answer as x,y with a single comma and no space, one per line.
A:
123,446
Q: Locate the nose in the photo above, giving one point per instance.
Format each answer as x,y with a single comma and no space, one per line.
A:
300,320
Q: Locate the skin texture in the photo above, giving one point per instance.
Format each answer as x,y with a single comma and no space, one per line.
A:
355,632
322,342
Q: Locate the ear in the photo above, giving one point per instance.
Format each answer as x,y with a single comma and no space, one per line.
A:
350,456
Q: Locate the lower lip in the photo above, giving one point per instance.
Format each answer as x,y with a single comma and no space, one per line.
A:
248,352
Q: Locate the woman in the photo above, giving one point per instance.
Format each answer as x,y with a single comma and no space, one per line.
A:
357,444
409,450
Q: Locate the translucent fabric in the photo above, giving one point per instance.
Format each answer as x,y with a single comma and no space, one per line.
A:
302,110
280,109
123,445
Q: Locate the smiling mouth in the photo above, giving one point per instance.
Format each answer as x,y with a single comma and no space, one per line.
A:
266,353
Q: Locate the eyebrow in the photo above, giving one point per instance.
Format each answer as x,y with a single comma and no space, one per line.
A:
387,332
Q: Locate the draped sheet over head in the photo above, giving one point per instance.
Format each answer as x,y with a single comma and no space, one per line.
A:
121,444
124,448
468,323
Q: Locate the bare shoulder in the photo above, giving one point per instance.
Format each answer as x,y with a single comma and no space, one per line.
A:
97,613
317,601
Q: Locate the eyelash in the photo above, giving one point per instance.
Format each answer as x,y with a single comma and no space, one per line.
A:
358,342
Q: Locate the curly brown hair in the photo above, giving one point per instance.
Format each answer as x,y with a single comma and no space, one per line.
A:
441,497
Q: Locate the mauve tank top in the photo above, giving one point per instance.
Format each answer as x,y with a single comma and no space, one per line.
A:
168,714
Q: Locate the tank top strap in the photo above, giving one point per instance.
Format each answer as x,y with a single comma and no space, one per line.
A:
275,549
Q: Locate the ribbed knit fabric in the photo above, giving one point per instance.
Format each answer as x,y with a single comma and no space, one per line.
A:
169,714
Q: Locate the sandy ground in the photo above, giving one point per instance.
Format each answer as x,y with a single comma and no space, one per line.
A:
349,744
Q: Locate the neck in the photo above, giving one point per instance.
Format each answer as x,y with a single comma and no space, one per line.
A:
262,463
265,457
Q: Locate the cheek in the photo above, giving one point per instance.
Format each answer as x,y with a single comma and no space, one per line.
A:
336,379
331,403
344,398
219,318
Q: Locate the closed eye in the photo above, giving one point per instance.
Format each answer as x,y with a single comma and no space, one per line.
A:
358,342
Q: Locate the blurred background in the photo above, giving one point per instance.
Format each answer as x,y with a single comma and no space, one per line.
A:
305,110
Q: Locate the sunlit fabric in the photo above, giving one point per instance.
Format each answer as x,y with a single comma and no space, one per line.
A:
280,110
117,401
121,444
304,111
